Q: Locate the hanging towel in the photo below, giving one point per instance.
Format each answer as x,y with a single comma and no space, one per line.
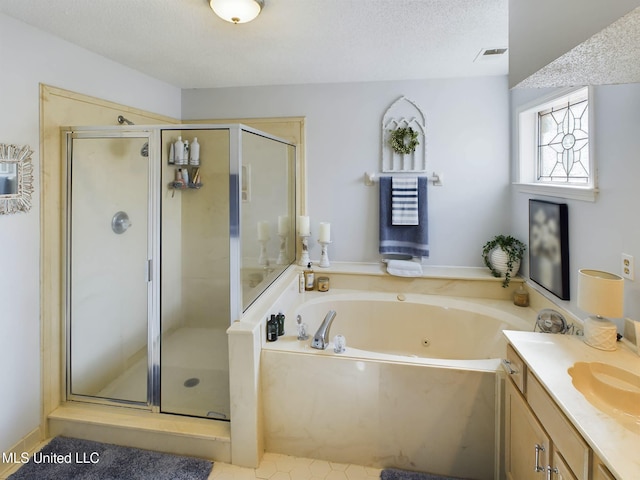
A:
404,201
403,239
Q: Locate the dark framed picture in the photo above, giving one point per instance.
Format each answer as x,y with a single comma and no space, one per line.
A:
549,246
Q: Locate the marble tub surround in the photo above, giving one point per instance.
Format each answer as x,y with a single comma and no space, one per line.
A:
247,337
380,414
432,408
549,357
476,282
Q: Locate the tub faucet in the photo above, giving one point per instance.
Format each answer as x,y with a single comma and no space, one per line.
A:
321,338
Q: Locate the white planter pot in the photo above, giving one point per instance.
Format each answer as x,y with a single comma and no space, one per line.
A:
498,259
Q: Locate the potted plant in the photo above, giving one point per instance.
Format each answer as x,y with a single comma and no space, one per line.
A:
502,256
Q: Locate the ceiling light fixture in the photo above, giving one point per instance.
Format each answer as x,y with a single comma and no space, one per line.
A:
237,11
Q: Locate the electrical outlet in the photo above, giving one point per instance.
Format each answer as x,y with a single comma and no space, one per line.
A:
627,266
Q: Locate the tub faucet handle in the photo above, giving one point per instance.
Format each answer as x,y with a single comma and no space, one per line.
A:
321,338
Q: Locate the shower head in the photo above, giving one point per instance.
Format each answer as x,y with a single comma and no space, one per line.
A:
144,151
122,120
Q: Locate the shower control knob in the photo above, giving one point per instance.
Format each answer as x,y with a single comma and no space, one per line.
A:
120,223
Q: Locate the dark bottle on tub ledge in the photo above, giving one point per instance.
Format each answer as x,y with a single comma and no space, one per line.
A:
280,323
272,329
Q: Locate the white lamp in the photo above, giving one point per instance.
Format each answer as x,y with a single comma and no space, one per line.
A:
237,11
601,294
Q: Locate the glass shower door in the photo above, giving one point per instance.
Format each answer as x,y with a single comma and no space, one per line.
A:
109,269
195,273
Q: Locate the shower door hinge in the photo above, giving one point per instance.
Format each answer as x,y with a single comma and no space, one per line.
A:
149,270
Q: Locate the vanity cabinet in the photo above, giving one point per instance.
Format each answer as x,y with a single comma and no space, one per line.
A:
600,471
528,445
540,442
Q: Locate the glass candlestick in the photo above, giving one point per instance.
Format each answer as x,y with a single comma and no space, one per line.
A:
324,256
304,258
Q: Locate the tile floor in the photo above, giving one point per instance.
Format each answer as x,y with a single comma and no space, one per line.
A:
275,466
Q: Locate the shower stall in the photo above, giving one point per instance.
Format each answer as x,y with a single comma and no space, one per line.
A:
163,253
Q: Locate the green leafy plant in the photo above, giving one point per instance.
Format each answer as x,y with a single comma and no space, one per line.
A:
512,247
403,140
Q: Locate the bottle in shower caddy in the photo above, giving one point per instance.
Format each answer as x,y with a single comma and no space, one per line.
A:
185,157
309,278
194,152
178,151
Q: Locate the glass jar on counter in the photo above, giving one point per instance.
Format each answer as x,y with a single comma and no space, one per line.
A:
323,284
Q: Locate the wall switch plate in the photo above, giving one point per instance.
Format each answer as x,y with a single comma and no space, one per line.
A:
627,266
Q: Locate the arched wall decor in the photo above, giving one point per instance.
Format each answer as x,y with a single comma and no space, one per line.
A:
16,178
404,114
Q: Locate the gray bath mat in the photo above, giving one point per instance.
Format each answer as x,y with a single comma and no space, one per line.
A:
70,458
395,474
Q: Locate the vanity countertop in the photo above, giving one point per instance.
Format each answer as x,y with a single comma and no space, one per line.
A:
548,357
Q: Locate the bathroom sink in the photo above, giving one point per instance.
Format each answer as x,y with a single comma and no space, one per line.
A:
612,390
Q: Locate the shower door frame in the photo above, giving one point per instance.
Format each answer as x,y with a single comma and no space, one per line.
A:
152,136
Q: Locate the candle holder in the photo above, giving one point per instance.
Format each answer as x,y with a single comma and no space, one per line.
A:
304,258
324,256
282,256
264,258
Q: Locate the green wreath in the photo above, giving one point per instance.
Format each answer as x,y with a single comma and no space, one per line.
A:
403,140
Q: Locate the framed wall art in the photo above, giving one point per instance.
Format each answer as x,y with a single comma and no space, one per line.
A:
549,246
16,178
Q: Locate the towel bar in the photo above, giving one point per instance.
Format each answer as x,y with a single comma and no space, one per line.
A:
370,178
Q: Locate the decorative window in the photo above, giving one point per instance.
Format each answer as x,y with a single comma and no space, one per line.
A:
555,154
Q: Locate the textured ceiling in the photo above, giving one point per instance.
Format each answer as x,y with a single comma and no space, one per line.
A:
610,56
184,44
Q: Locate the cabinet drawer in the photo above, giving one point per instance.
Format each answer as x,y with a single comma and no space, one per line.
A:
575,451
516,368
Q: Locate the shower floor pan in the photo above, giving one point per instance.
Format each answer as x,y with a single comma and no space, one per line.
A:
194,375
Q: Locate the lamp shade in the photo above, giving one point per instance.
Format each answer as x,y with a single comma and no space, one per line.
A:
600,293
237,11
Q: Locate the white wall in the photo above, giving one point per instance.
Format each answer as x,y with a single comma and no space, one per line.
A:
600,231
467,142
30,57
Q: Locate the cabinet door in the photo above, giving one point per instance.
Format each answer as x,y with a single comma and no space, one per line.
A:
525,440
600,471
560,469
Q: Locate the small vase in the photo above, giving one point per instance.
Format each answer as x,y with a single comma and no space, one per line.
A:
499,259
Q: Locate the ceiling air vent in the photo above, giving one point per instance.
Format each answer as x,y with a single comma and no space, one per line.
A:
488,54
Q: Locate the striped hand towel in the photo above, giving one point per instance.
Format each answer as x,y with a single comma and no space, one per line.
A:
404,201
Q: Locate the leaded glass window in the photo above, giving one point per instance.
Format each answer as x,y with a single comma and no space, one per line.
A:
563,141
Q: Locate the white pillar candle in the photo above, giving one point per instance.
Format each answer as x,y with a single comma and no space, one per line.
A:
325,232
283,224
304,227
263,231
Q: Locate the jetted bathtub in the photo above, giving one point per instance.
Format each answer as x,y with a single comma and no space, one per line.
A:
418,387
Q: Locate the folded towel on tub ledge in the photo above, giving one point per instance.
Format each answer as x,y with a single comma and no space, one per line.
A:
404,268
407,240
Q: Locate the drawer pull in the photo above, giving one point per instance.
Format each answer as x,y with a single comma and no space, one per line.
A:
551,470
538,468
508,366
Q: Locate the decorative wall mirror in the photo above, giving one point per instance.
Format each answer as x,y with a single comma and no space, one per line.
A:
16,178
